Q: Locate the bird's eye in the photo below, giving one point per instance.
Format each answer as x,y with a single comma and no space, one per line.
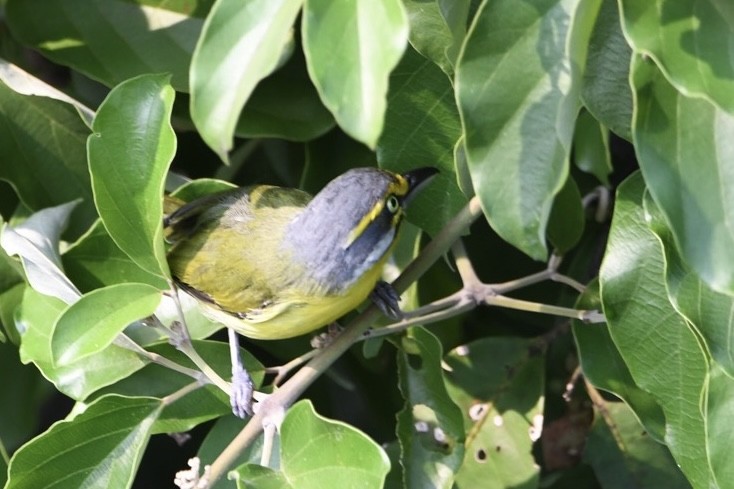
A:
392,204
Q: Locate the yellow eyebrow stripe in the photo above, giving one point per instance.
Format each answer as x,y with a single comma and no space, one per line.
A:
398,187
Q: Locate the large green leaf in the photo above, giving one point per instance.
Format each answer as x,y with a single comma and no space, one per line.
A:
606,90
41,145
517,84
93,322
240,45
710,312
625,457
430,426
319,453
661,351
421,129
498,383
351,47
129,153
719,430
35,319
113,40
690,40
683,146
100,448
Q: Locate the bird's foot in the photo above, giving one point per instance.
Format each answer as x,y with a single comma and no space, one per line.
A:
322,340
241,396
387,299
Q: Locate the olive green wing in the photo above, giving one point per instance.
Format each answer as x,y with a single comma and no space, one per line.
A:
225,247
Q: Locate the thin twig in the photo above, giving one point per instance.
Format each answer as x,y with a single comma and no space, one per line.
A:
294,387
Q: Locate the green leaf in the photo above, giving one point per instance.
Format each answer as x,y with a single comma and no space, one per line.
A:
95,261
661,351
689,39
707,310
624,456
437,28
430,426
421,128
42,144
499,384
566,221
719,430
351,47
319,453
35,319
100,448
36,242
606,89
93,322
684,152
285,105
603,366
240,45
129,154
591,147
113,40
517,86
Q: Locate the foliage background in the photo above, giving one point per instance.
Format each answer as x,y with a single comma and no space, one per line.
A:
543,109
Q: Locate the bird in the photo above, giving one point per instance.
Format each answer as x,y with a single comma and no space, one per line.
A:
271,262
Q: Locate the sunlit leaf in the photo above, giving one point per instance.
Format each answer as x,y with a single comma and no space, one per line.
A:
518,85
351,47
683,146
100,448
129,153
661,351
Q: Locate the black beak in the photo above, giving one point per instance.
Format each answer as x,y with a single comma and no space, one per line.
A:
417,179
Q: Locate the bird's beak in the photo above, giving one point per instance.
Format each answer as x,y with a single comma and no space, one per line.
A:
417,179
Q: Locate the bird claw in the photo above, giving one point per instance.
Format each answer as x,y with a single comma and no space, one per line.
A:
241,396
387,299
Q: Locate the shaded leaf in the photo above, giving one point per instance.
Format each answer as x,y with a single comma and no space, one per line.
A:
42,144
100,448
351,47
606,89
566,221
240,45
430,427
129,153
437,28
113,40
517,87
498,383
720,433
591,147
421,129
95,261
684,152
625,457
285,105
603,366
